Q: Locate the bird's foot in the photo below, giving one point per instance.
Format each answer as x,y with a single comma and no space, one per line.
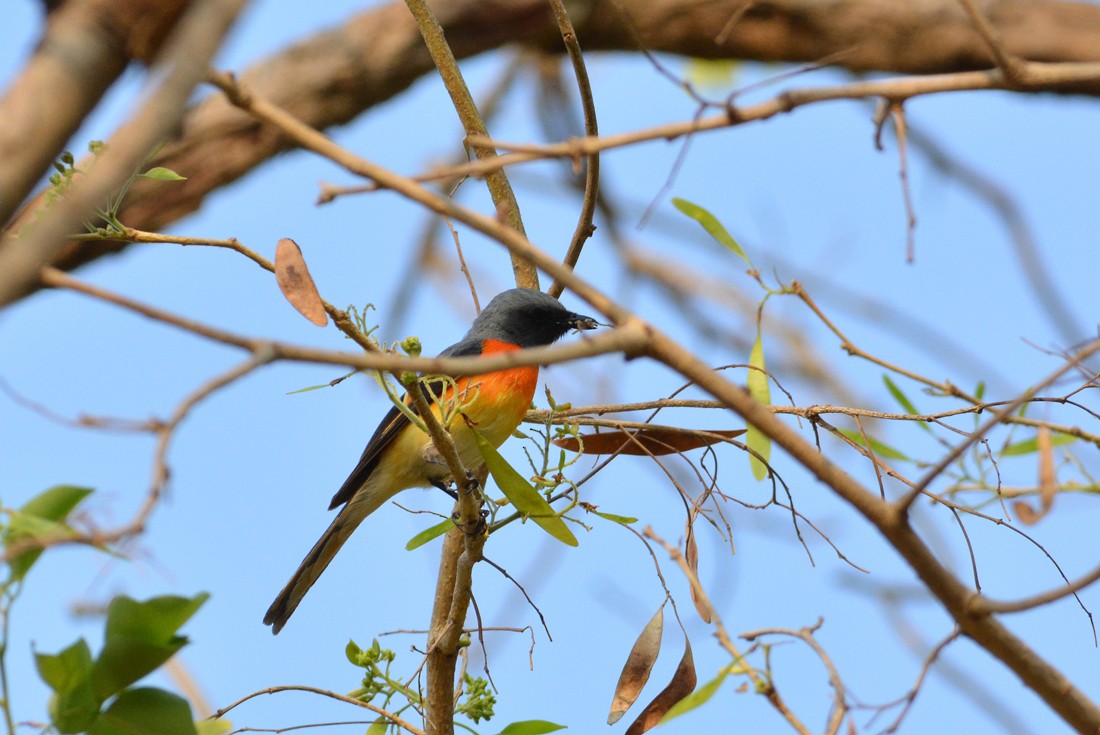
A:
445,486
472,529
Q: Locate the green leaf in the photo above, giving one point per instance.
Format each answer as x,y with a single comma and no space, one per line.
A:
759,389
41,518
525,498
56,503
378,727
145,711
900,397
74,711
160,173
1030,446
74,704
140,637
696,698
353,652
155,620
428,534
979,392
882,450
308,388
904,402
713,227
64,671
626,520
531,727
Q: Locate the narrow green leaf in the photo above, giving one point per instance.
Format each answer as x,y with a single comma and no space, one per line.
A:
904,402
56,503
378,727
882,450
531,727
759,389
428,534
626,520
1030,446
696,698
160,173
979,392
713,227
26,527
525,498
145,711
308,388
900,397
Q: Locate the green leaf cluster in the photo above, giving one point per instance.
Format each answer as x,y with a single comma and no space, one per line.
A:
94,695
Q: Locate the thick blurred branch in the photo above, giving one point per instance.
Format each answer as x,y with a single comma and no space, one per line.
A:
332,77
85,46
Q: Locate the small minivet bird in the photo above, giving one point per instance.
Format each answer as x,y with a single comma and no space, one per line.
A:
401,456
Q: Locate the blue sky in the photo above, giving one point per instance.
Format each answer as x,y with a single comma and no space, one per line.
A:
809,198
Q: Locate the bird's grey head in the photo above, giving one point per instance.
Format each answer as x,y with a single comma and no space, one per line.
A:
528,318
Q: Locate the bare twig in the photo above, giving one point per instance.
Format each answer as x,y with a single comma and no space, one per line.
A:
584,227
406,726
499,188
806,634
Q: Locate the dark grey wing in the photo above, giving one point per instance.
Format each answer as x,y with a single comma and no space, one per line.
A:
393,423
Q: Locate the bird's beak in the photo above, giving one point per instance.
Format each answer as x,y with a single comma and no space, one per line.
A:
581,322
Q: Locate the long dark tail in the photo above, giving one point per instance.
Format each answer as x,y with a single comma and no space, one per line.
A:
347,520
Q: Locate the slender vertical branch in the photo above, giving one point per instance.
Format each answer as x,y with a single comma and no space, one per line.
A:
499,187
7,597
584,227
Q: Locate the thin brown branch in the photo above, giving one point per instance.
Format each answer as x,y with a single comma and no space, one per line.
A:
985,605
166,432
584,227
627,339
406,726
1009,64
1040,76
499,188
806,634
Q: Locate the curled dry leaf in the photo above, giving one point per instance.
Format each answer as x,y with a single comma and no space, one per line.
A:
682,684
639,664
1048,481
691,556
655,440
296,284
